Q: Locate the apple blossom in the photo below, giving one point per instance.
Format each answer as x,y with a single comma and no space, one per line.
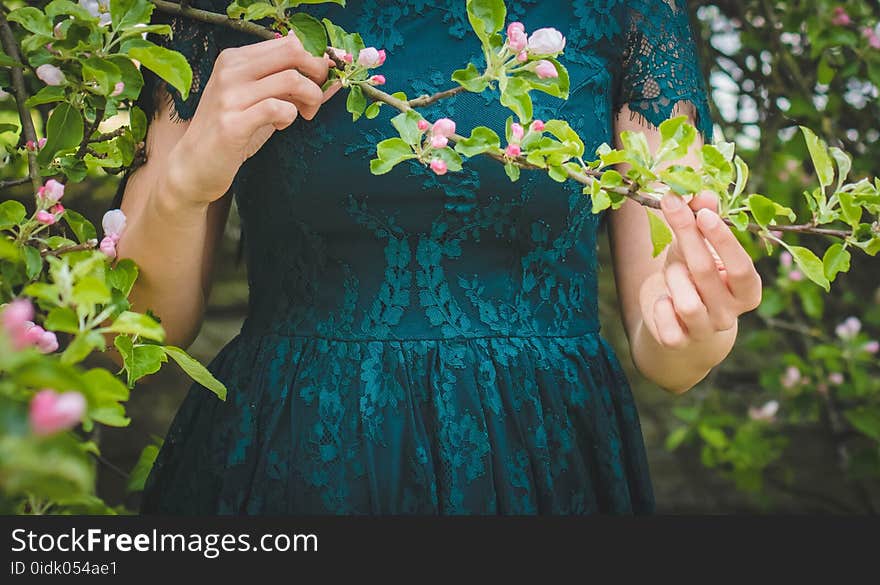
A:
841,18
377,80
796,276
537,126
99,9
872,347
791,377
849,328
438,141
57,209
546,41
113,223
51,192
45,341
118,89
51,412
50,74
517,131
517,39
785,259
15,318
513,150
765,413
371,57
423,125
835,378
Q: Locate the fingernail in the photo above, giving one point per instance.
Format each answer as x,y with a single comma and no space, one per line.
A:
707,218
672,202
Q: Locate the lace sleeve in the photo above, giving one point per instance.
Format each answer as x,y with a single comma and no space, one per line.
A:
660,68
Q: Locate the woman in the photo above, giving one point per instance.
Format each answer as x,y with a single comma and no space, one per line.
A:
415,343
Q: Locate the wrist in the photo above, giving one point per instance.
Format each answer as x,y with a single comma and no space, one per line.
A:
173,195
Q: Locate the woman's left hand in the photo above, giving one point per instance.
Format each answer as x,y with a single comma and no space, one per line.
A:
708,279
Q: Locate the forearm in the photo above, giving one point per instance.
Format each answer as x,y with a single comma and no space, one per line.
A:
166,237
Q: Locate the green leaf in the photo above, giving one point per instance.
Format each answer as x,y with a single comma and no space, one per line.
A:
138,122
407,125
866,420
558,86
169,65
138,324
810,265
196,371
713,436
125,14
105,393
82,228
63,131
513,171
66,7
836,260
310,32
762,209
356,102
486,17
62,319
661,235
139,360
844,165
682,180
138,476
373,110
11,214
821,159
450,157
33,261
470,78
123,275
81,346
676,438
91,291
103,72
390,152
515,95
482,139
31,19
48,94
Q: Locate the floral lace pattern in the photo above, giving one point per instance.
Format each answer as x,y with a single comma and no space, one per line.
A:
424,344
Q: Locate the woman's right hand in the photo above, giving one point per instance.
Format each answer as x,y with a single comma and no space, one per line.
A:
253,91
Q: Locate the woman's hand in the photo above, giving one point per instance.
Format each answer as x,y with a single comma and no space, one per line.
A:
708,279
253,91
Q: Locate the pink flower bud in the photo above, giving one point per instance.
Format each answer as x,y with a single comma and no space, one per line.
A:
56,31
517,39
796,276
57,209
108,247
546,41
872,347
51,192
370,58
841,18
517,131
50,75
51,412
423,125
348,58
438,165
278,35
537,126
382,57
41,142
377,80
513,150
29,145
785,260
444,127
113,222
16,319
45,217
546,70
835,378
791,377
438,141
48,342
117,89
522,56
874,41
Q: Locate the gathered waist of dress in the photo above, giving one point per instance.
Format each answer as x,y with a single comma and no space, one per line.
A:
256,328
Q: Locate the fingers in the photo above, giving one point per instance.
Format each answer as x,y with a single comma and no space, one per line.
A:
687,303
267,57
700,263
705,200
670,332
743,280
271,111
289,85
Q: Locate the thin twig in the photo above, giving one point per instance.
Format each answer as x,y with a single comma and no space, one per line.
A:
89,130
14,182
19,91
109,135
585,178
87,245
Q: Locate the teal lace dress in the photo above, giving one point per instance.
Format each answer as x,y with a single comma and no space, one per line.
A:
419,344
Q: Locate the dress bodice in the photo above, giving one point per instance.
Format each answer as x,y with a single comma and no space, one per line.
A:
334,251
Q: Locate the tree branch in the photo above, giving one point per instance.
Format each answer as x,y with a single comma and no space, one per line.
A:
19,92
585,178
14,182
